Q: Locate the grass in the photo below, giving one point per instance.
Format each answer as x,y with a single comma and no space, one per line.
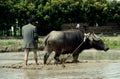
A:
113,42
10,42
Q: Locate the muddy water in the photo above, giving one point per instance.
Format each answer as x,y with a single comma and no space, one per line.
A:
95,65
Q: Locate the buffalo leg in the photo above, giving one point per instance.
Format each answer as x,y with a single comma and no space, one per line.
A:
56,57
46,57
75,58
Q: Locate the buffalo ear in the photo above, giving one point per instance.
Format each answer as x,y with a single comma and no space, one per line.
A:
86,35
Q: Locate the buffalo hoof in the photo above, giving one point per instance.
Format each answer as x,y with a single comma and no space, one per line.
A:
75,61
57,62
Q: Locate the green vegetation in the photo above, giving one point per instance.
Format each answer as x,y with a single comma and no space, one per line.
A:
113,42
10,42
52,13
7,43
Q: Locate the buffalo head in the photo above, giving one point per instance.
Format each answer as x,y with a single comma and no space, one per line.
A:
95,42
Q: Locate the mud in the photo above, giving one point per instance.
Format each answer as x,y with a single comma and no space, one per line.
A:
93,65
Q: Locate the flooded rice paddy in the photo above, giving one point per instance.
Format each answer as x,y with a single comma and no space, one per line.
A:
93,65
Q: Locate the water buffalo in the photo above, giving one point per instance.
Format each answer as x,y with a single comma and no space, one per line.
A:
64,42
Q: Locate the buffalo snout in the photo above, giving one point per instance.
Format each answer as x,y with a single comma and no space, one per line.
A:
106,49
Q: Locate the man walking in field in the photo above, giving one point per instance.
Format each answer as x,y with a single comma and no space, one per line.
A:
30,40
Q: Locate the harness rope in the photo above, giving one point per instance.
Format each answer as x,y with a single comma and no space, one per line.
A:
64,59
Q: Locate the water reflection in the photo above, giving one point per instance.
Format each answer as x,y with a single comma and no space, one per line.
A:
81,71
31,74
6,73
112,71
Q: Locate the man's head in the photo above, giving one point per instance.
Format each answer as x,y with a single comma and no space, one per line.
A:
32,21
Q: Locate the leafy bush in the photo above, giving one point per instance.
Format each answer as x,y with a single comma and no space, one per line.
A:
52,13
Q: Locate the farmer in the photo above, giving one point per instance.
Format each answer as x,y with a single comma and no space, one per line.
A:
30,40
